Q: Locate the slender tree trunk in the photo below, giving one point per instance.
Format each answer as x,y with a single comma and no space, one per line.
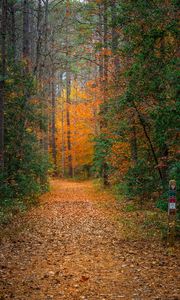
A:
69,146
26,41
105,46
75,126
13,33
133,138
39,39
45,75
46,25
53,124
100,33
49,125
103,66
68,93
2,80
133,142
62,141
164,148
149,141
105,81
134,152
115,42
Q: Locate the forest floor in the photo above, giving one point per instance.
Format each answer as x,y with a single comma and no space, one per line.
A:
74,247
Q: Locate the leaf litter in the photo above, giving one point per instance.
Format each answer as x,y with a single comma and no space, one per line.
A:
71,247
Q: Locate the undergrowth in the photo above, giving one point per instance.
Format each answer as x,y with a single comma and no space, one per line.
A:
138,221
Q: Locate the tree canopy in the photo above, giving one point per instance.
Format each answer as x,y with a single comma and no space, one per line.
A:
89,88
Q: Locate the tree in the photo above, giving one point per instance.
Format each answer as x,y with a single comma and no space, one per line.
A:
2,79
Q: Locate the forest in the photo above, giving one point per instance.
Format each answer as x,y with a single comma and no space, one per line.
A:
88,88
89,91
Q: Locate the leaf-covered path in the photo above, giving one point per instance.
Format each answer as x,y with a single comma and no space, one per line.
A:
71,248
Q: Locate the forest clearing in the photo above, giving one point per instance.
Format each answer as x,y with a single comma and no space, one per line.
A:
89,150
73,247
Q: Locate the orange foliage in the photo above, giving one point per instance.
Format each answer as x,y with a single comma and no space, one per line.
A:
83,111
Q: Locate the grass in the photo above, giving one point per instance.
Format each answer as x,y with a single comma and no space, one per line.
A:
135,221
143,224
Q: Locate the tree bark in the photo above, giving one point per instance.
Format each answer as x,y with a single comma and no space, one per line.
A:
105,46
13,33
62,141
133,138
2,80
105,83
69,146
115,42
54,126
26,41
45,75
100,33
39,38
149,141
68,93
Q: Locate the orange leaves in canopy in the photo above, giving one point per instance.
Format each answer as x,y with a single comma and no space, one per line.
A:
82,109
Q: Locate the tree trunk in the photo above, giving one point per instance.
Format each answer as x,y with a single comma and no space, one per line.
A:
69,146
46,25
26,41
105,46
53,124
115,42
105,83
2,80
62,141
68,93
134,152
38,43
133,138
13,33
149,141
100,33
45,73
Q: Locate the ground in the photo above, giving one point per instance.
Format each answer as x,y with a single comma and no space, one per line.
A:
72,247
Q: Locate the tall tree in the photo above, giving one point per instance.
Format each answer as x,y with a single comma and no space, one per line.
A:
26,36
68,93
53,121
2,78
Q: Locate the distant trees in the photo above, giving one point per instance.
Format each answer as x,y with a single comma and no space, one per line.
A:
126,54
82,131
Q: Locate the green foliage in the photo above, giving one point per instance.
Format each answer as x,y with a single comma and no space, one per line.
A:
141,180
150,45
101,151
174,173
162,202
130,207
26,164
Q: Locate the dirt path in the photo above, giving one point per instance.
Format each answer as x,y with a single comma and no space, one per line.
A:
71,248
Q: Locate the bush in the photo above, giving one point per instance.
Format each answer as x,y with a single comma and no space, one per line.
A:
141,180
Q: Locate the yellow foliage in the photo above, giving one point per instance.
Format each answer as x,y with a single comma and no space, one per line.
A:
82,110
